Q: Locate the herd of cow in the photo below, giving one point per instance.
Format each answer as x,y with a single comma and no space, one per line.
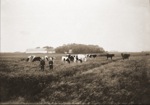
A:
33,58
81,57
71,58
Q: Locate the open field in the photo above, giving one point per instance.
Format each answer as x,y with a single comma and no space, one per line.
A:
95,81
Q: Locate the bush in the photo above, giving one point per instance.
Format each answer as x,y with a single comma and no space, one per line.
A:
27,86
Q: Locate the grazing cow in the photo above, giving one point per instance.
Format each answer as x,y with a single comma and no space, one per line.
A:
46,58
92,55
80,57
125,56
37,59
71,58
110,55
68,58
64,58
51,58
30,58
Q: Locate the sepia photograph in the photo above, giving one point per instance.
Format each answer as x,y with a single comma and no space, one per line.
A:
75,52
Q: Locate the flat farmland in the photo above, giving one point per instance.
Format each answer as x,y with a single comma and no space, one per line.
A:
97,81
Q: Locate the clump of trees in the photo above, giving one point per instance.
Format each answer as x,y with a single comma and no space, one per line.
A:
79,48
48,48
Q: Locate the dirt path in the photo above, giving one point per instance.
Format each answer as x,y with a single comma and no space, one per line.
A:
101,64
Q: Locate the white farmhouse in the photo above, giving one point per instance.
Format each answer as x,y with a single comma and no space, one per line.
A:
40,50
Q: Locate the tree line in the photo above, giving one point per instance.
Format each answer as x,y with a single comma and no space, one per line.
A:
79,48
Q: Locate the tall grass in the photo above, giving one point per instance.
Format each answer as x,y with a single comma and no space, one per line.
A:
97,81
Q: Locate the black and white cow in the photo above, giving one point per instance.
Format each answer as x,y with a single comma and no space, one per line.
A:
80,57
68,58
51,58
71,58
30,58
37,59
125,56
65,59
48,58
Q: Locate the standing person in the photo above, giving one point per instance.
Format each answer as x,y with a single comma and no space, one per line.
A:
42,64
50,64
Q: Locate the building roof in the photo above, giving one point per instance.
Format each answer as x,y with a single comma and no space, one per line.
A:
40,49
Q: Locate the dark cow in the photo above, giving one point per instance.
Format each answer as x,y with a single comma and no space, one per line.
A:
50,64
36,59
51,61
42,64
71,58
110,55
93,55
125,56
68,60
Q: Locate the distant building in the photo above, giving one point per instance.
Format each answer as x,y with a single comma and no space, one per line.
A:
70,51
51,51
40,50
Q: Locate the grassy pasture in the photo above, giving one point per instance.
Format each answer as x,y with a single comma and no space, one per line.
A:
95,81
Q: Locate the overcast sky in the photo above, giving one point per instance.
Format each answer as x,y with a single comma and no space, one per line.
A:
119,25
